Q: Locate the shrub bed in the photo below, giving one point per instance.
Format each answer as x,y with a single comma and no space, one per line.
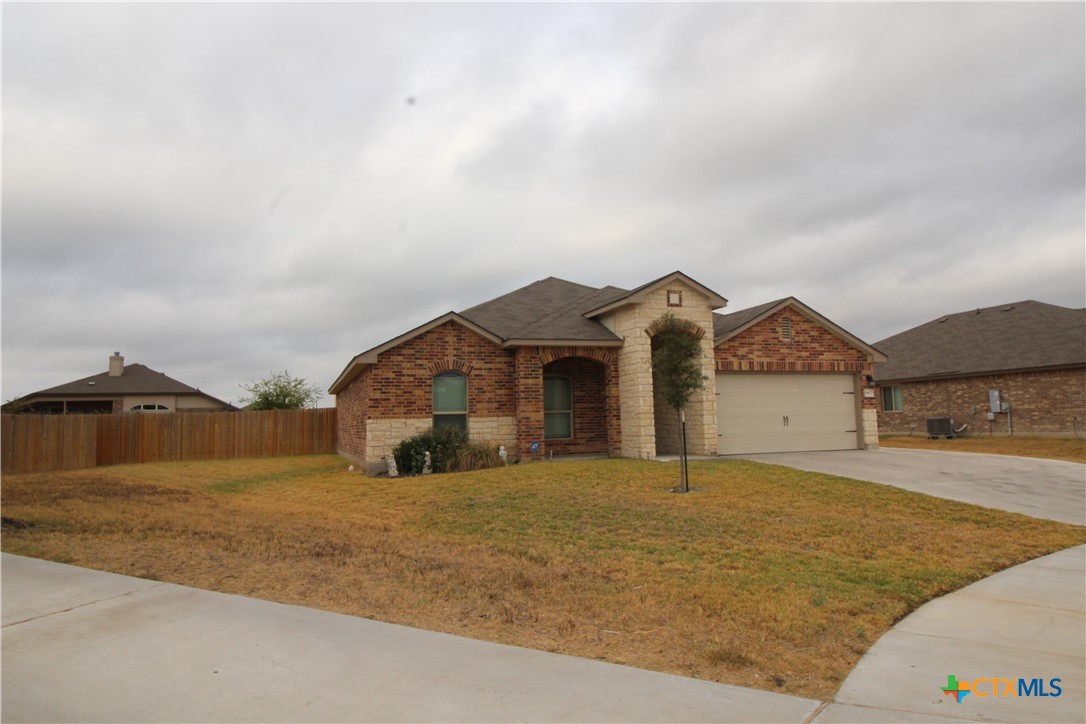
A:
450,451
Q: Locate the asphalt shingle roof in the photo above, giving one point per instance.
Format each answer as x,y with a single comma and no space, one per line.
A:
1022,335
548,309
137,379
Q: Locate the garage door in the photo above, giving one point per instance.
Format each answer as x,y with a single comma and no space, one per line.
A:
785,413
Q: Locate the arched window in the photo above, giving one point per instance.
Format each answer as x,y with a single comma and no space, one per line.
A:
149,408
451,400
557,407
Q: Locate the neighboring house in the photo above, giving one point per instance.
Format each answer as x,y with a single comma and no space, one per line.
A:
1032,354
123,388
563,368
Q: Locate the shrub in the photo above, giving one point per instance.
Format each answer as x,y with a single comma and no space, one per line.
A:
474,456
442,444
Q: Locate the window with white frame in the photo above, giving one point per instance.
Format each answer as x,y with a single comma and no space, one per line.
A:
557,407
451,401
148,407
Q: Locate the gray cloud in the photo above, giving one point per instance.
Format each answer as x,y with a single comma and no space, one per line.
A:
224,190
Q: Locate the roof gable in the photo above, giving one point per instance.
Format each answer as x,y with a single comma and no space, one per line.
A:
728,326
1018,336
636,296
370,356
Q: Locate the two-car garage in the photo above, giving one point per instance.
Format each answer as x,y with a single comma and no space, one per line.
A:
786,412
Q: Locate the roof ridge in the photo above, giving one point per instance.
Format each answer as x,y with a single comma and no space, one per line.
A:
1047,307
618,293
519,290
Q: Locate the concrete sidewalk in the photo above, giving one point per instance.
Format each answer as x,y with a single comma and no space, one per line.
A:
82,645
1025,622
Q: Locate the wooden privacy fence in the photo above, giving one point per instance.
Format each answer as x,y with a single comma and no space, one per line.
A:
36,443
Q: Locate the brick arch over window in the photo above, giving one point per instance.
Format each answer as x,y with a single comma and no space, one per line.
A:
450,364
552,354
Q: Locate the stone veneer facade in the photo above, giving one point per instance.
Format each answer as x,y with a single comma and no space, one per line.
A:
1047,402
636,391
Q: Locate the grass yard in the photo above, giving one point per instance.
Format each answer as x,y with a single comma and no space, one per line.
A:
1053,448
763,576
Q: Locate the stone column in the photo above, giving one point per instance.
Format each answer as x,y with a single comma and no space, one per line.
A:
869,410
636,406
701,410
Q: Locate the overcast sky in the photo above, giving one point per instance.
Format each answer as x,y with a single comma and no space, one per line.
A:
223,190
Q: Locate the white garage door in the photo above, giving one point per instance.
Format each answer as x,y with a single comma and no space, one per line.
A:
785,413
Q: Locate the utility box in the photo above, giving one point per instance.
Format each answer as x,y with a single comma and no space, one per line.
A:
995,401
940,427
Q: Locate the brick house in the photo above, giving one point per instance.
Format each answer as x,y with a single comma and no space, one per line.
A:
563,368
122,388
1033,354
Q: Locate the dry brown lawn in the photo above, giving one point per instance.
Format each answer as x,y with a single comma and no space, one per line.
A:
1053,448
763,576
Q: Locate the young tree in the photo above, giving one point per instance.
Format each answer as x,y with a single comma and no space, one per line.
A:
676,348
280,391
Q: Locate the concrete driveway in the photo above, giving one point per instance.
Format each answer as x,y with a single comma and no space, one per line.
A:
1050,489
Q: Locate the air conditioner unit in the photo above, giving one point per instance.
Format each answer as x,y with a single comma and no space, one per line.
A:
940,427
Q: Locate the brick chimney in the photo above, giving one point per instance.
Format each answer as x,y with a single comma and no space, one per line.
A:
116,365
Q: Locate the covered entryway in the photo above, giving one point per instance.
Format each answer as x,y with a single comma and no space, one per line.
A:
759,413
579,401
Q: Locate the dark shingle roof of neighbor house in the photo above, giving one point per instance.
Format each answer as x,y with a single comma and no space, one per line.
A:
136,379
1018,336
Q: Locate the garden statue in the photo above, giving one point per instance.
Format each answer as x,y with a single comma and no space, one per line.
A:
503,454
392,471
427,466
